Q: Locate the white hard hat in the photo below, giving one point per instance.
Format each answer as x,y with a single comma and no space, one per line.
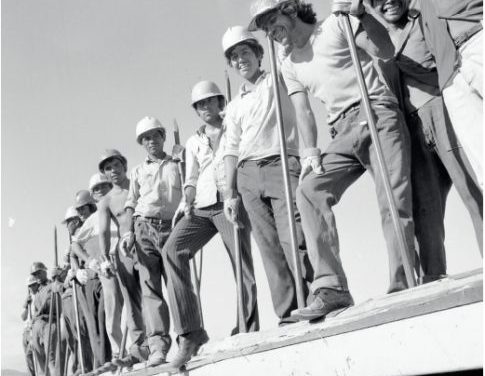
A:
235,35
111,154
203,90
147,124
71,213
98,179
260,7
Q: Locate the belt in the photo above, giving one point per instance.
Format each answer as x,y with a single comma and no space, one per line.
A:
461,38
153,220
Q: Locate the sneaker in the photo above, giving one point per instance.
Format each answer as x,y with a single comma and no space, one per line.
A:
326,301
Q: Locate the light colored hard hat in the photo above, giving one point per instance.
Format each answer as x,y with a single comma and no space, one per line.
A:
109,154
147,124
98,179
83,197
260,7
31,280
71,213
203,90
36,266
235,35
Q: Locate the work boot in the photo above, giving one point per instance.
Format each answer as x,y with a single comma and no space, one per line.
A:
326,301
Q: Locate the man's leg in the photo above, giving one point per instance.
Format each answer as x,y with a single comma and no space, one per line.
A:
435,117
38,343
28,351
278,272
394,139
113,305
430,186
226,230
155,309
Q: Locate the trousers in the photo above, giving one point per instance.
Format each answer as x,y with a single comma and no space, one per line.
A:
188,236
349,154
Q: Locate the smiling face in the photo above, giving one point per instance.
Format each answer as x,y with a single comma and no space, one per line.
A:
208,109
279,27
391,10
153,142
245,61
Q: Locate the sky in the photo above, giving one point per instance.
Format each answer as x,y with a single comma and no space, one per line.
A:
76,78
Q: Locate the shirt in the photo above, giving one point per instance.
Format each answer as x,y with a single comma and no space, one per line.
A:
251,126
88,236
200,169
155,189
324,68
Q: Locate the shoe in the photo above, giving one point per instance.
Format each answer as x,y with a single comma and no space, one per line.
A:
156,358
189,345
125,362
326,301
287,321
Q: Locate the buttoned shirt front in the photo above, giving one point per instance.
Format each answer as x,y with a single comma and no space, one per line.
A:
200,169
155,189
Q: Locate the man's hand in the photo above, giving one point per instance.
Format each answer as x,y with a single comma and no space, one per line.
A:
184,209
126,243
71,274
311,160
106,269
28,301
178,153
231,210
352,7
82,276
55,272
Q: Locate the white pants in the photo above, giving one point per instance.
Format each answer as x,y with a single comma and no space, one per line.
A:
463,97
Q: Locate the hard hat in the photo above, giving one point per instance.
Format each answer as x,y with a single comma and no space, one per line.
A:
83,197
235,35
31,280
111,154
98,179
147,124
71,213
203,90
36,266
260,7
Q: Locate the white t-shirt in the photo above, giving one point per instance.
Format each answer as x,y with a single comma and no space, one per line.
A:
324,68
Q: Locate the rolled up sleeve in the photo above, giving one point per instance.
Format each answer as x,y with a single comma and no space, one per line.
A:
192,166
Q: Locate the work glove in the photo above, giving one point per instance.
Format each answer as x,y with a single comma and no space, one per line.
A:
71,274
231,210
311,160
106,269
28,301
178,152
127,242
184,209
82,276
353,7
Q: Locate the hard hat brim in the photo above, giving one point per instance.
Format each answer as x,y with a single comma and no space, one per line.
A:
205,96
68,219
105,160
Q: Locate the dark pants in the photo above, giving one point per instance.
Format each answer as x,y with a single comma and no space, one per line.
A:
262,189
188,236
437,161
150,238
349,155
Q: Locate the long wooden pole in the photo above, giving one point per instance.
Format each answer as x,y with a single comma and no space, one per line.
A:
286,177
383,170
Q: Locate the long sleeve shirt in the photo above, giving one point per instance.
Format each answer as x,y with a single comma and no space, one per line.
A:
155,189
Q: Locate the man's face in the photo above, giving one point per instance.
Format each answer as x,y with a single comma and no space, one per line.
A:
278,27
115,171
153,142
72,225
244,61
40,276
84,212
391,10
101,190
208,109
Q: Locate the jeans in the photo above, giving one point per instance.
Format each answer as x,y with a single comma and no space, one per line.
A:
349,155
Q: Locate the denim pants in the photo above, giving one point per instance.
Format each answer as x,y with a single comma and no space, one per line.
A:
348,156
188,236
261,185
150,238
437,161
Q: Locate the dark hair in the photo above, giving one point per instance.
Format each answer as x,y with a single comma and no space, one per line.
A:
302,10
251,43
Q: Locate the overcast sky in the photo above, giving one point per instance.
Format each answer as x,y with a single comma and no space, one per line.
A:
77,76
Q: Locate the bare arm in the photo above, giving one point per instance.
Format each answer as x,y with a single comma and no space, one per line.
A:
79,252
189,193
104,215
305,119
230,164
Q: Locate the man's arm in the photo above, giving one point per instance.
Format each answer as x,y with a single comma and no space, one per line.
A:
230,167
192,172
305,119
104,216
79,252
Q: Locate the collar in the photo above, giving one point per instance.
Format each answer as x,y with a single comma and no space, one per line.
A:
246,88
165,158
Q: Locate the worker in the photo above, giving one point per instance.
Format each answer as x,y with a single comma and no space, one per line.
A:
200,216
26,315
111,211
154,194
318,60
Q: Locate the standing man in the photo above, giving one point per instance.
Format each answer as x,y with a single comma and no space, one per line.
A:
154,195
86,245
319,61
202,212
26,315
111,211
254,170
